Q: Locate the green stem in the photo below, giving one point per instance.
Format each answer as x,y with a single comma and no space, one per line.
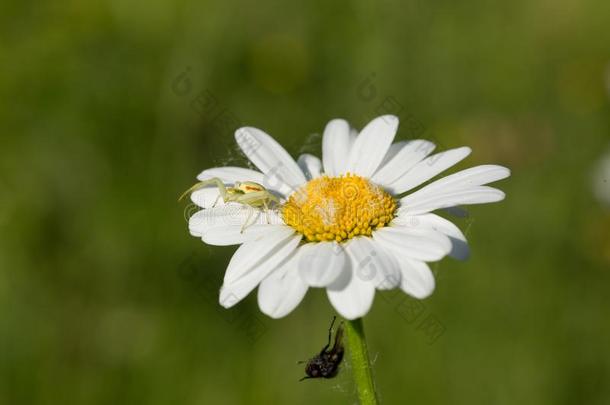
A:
361,366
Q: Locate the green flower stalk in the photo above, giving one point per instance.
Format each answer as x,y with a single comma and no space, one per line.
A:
361,366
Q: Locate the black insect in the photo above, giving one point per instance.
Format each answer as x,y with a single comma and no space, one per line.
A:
326,363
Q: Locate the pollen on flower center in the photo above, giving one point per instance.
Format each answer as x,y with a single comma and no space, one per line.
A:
338,208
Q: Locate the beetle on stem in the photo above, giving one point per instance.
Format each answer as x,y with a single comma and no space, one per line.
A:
326,363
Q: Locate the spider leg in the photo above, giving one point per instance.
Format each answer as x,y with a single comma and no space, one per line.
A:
253,200
273,198
304,378
214,180
266,211
250,212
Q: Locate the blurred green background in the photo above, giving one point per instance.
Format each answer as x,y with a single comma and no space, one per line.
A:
109,109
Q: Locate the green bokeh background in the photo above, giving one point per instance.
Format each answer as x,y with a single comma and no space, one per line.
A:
106,298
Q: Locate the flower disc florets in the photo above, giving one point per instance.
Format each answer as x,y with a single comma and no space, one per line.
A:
338,208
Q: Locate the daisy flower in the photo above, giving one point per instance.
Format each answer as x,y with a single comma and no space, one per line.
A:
350,223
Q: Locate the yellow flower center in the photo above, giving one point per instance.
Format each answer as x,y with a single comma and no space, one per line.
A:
338,208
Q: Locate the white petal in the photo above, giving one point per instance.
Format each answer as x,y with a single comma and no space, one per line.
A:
353,134
207,197
282,290
225,236
415,203
417,279
427,169
255,260
322,263
371,266
466,179
223,226
311,165
401,158
252,254
393,151
230,174
371,146
270,157
335,147
459,249
372,262
420,244
353,301
351,296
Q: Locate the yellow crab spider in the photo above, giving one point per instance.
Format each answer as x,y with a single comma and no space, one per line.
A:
244,192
